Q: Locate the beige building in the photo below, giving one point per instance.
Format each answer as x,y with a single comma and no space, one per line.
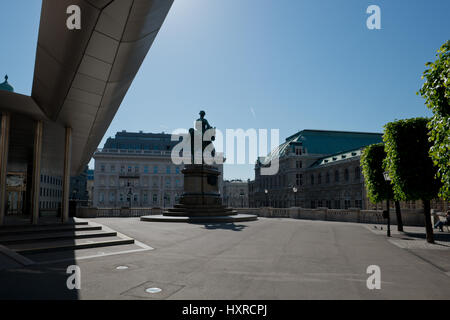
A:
136,169
235,193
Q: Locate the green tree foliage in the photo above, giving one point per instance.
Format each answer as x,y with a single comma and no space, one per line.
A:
436,91
409,164
378,189
372,167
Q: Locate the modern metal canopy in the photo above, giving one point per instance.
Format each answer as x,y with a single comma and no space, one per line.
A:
81,76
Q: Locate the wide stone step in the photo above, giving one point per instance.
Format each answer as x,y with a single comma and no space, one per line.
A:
44,225
76,244
39,229
27,238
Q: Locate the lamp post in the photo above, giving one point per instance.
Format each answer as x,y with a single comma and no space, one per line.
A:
386,213
242,199
267,196
130,194
295,190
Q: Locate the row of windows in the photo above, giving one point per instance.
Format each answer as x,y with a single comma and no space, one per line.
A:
136,183
357,171
49,205
51,180
135,197
136,169
336,204
45,192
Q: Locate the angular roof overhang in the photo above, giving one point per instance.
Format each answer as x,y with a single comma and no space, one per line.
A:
81,76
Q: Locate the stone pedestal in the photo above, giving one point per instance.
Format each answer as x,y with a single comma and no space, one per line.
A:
201,195
201,201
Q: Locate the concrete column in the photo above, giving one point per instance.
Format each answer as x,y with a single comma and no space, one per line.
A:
4,146
66,176
37,155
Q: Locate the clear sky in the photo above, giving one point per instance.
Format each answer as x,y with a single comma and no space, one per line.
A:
282,64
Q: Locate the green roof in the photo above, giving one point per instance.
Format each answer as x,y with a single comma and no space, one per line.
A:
324,142
6,86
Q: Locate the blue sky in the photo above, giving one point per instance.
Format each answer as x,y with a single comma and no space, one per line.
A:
285,64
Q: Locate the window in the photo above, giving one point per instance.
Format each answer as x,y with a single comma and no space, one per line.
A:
327,178
129,169
177,170
336,176
145,197
102,197
346,176
319,178
358,204
112,196
337,204
313,204
298,151
357,174
145,169
122,168
155,198
328,204
168,169
299,179
347,204
312,179
136,169
102,168
113,168
155,169
319,204
168,183
298,164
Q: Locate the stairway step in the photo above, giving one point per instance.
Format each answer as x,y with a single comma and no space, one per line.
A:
39,229
45,225
25,238
68,245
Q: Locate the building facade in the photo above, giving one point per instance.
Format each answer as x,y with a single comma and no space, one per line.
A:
235,193
136,170
316,169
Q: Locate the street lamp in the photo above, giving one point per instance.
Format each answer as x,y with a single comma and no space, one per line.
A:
267,195
242,199
386,213
130,194
295,190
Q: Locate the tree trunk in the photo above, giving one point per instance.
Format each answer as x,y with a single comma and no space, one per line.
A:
398,212
428,226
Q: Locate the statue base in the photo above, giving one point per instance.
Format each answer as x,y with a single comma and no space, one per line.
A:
201,195
201,200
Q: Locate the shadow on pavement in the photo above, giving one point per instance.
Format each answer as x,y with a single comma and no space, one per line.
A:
224,226
438,236
37,283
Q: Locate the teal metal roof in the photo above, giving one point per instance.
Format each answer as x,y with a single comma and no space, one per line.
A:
337,157
323,142
6,86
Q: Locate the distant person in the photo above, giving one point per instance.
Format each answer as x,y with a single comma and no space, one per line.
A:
440,224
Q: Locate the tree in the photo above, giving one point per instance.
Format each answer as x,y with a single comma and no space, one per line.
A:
436,91
410,166
378,189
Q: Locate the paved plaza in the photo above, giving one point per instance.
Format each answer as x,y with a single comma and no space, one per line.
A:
264,259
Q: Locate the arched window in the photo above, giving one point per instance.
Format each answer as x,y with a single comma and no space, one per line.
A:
346,176
319,178
327,178
312,179
357,173
336,176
